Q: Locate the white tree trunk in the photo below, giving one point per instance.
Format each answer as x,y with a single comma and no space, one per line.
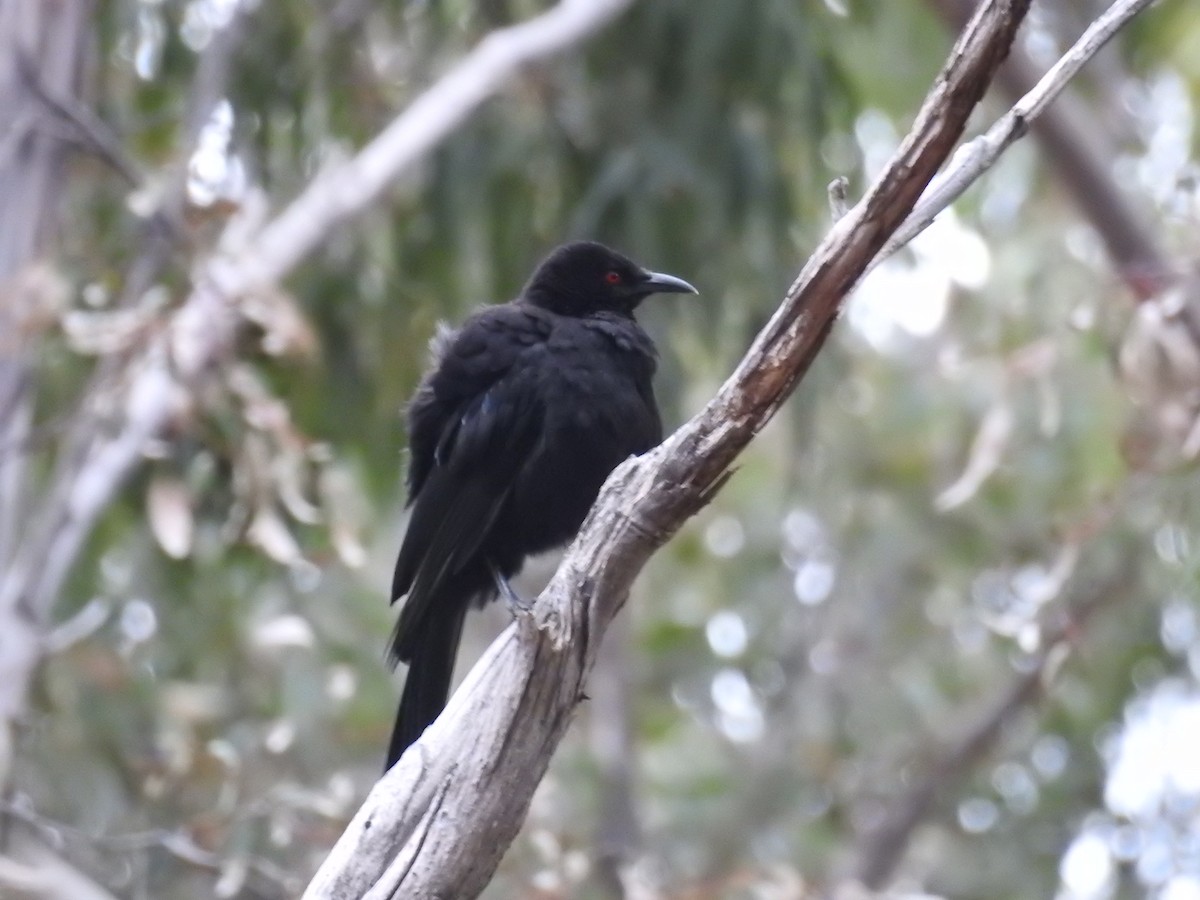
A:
42,42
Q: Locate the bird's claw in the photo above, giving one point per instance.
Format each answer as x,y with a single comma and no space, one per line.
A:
517,605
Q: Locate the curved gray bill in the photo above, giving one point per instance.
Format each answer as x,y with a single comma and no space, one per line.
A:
659,283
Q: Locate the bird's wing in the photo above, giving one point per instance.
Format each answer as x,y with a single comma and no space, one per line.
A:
472,426
464,364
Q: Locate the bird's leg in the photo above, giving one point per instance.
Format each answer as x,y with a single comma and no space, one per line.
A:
517,605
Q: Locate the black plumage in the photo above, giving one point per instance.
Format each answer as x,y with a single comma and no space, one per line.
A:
524,412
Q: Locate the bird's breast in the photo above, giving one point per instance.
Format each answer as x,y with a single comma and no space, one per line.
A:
594,380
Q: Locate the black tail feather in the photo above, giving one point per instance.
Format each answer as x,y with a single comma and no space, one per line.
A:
427,686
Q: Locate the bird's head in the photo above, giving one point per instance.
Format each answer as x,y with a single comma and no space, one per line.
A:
584,277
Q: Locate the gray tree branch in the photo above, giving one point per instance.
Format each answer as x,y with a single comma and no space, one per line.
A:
31,182
41,49
1078,146
1128,240
351,187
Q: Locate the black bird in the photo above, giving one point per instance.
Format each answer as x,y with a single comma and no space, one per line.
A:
525,410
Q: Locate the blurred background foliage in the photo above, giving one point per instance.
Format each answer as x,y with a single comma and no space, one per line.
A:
966,499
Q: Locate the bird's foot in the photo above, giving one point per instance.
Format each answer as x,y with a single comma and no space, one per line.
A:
517,605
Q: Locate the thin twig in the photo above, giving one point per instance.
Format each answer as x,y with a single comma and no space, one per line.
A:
981,154
352,186
1079,136
208,85
31,184
838,192
38,437
91,128
94,134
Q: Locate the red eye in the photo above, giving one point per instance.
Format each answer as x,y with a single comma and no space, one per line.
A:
612,277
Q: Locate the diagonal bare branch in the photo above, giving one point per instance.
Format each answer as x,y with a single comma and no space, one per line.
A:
980,154
438,822
1081,145
31,183
350,188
